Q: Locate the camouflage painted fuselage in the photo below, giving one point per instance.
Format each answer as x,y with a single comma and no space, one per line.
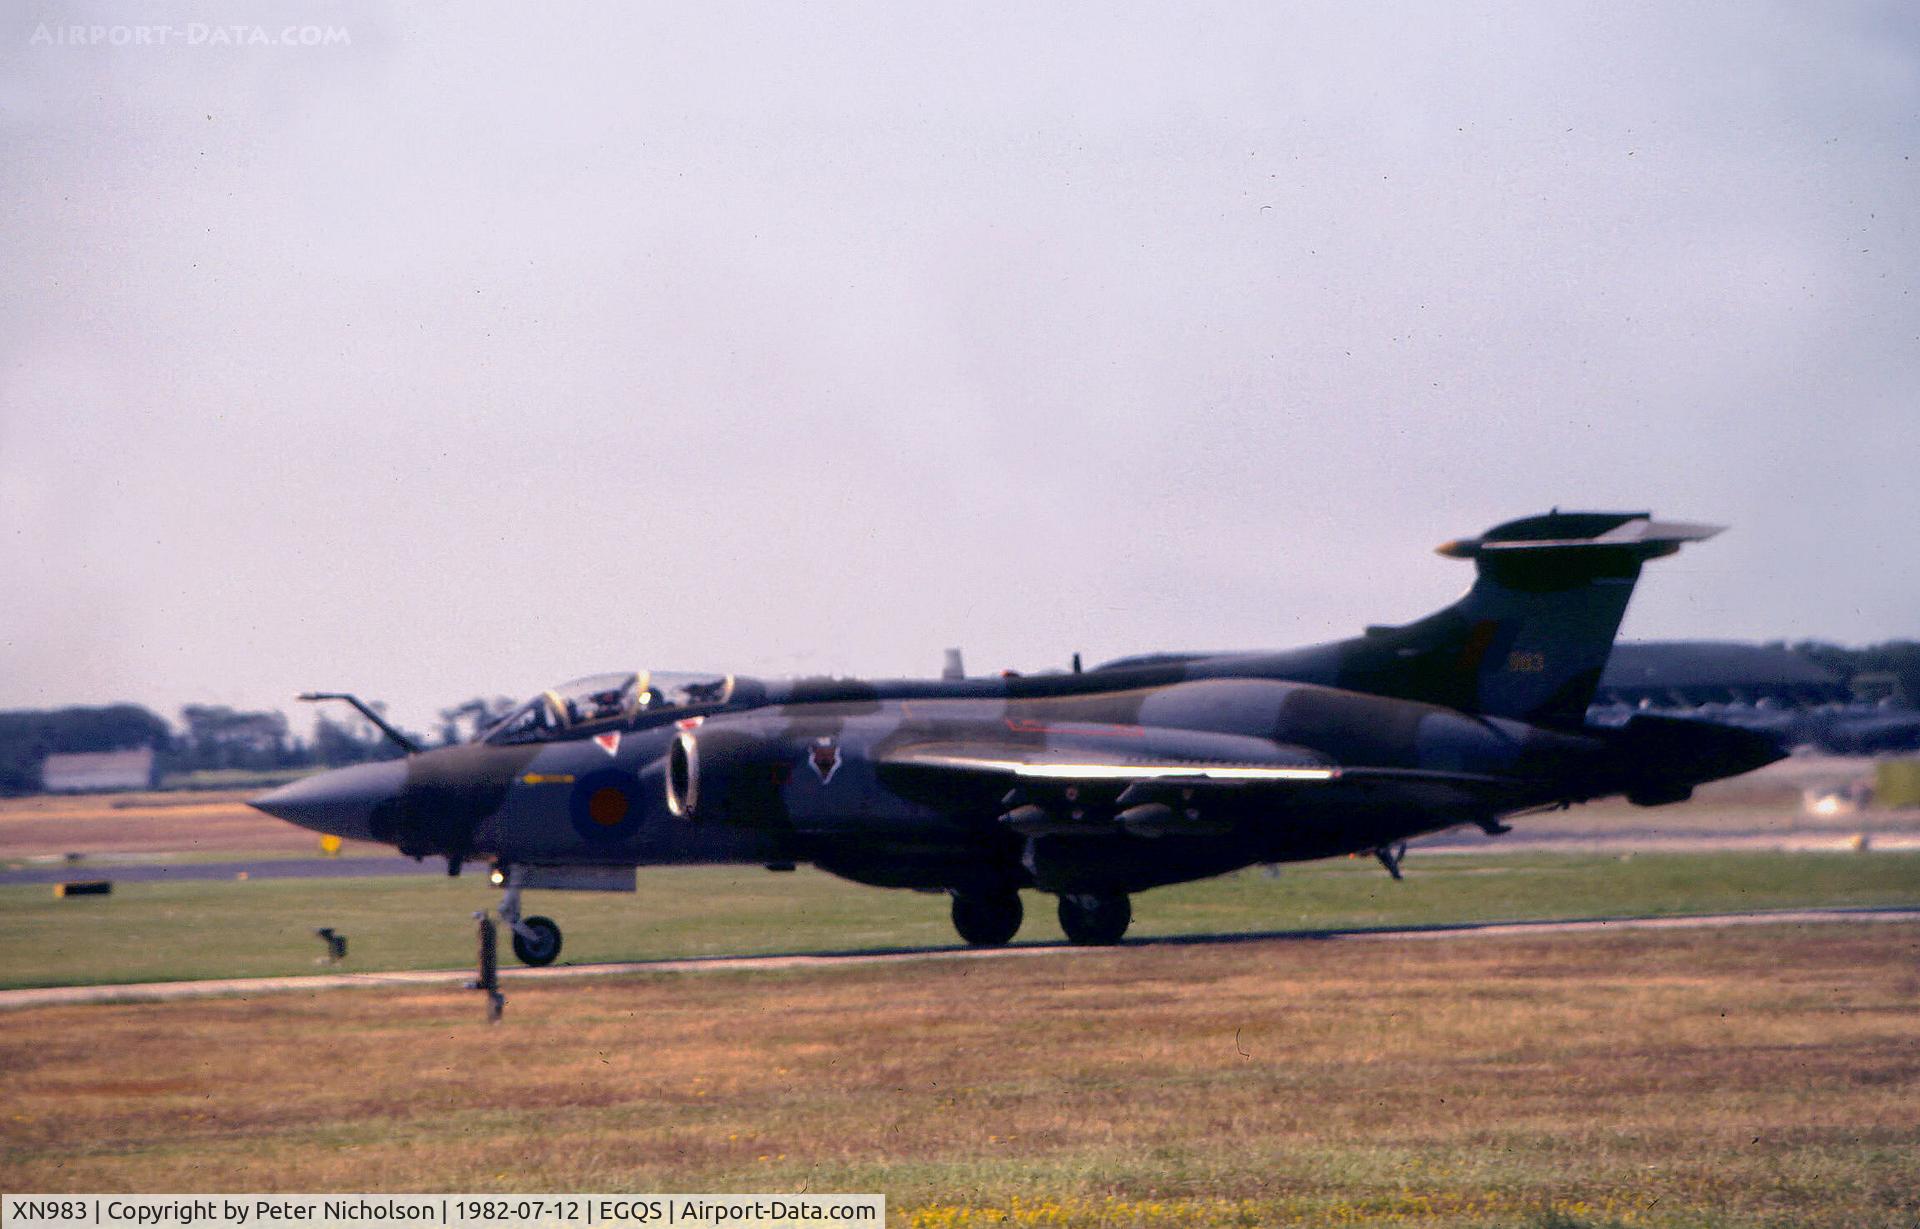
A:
841,780
1144,772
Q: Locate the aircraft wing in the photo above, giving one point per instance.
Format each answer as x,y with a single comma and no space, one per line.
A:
1070,765
1093,790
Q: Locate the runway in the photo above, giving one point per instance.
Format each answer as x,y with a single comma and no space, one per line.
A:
249,987
1541,839
1589,840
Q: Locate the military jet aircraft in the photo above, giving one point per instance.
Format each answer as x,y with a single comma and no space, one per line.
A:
1091,785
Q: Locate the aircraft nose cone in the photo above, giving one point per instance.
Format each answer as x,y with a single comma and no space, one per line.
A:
340,802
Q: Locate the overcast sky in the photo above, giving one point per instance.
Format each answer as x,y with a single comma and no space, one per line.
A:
486,346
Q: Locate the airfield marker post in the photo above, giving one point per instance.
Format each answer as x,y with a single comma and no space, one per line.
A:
489,960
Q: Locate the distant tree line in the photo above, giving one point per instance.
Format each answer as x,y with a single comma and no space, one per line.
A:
210,737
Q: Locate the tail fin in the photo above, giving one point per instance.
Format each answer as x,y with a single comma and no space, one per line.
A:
1531,637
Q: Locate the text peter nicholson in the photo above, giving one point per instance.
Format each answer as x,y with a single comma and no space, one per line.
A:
370,1211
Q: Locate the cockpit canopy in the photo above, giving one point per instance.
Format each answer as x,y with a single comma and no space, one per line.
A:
607,701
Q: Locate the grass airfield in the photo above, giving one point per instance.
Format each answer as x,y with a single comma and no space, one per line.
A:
1751,1076
257,928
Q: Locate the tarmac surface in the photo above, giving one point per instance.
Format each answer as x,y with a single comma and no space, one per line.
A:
249,987
1540,839
1656,840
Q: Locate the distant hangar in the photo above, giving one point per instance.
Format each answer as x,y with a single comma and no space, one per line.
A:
1689,673
1756,687
95,772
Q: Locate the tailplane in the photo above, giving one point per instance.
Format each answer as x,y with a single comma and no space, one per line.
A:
1531,637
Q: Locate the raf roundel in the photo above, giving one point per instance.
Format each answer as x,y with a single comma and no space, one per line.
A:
605,807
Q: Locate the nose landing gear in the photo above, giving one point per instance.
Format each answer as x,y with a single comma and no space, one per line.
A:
536,940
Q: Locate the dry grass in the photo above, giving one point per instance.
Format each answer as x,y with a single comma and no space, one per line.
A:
1758,1076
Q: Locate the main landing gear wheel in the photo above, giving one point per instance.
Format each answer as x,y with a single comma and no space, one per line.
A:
987,920
1095,920
536,940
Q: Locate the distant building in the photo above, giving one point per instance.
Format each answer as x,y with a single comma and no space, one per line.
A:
98,771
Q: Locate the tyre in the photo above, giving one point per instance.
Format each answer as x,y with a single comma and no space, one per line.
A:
1095,920
987,920
541,942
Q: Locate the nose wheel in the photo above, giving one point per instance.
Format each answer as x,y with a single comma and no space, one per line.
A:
536,939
